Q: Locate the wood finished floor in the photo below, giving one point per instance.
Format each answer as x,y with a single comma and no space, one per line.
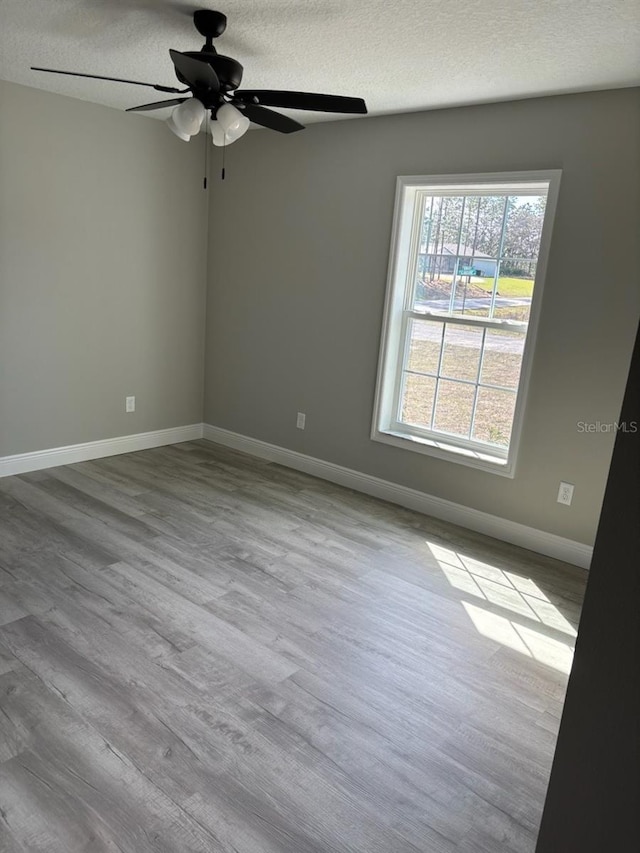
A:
201,651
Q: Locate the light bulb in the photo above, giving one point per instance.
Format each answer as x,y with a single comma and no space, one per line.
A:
233,122
188,117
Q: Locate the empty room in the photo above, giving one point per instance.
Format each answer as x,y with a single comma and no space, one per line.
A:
319,467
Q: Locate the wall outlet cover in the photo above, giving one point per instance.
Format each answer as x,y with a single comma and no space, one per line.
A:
565,493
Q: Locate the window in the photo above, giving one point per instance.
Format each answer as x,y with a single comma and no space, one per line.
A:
467,263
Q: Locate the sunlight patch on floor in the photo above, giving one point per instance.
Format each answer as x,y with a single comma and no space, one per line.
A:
528,642
518,596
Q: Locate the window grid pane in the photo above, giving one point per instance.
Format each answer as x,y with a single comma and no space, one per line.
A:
494,416
502,359
433,410
475,401
461,350
475,397
453,407
424,342
418,394
454,280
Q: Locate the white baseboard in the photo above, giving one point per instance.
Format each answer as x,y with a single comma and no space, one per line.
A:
482,522
509,531
23,462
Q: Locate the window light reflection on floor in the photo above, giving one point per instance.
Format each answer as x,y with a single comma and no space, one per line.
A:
528,622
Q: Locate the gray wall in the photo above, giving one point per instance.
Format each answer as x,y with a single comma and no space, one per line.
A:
299,240
102,273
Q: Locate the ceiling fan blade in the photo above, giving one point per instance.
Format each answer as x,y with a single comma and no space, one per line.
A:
197,73
270,119
302,101
112,79
158,105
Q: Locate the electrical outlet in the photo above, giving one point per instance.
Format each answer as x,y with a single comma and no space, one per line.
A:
129,404
301,420
565,494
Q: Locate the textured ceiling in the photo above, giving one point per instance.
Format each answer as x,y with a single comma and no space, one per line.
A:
400,56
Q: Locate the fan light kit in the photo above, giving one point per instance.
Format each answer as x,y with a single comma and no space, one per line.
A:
212,82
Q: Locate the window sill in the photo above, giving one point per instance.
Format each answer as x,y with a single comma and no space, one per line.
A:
450,452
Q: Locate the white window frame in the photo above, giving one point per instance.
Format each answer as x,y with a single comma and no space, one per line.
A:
398,310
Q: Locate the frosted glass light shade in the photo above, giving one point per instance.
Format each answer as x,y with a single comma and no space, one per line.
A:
175,129
217,134
188,117
232,122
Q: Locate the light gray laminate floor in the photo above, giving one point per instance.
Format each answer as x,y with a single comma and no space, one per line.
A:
200,651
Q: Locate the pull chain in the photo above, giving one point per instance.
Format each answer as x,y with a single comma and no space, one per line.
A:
224,151
206,151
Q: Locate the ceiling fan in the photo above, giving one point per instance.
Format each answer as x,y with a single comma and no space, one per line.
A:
212,82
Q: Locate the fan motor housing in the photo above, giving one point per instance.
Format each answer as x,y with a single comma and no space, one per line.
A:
228,70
